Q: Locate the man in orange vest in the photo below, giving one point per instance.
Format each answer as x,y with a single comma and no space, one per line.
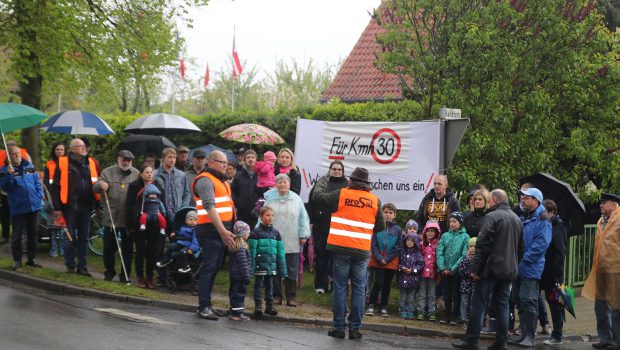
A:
72,192
356,217
215,209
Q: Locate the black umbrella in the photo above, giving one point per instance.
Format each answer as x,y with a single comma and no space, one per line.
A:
144,144
570,207
162,124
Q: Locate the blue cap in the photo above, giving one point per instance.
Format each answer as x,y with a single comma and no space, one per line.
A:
533,192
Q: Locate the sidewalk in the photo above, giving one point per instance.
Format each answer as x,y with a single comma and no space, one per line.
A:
580,329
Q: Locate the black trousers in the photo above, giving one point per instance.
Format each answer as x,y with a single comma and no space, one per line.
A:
28,221
110,249
451,295
383,285
146,248
5,216
321,265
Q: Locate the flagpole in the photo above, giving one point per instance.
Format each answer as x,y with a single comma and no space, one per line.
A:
233,76
174,76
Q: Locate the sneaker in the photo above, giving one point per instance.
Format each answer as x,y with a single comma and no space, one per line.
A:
240,317
142,227
207,314
454,323
336,333
185,269
420,317
552,341
33,263
384,313
354,333
319,291
17,265
370,311
444,321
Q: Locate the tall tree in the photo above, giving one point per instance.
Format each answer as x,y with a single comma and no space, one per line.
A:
536,78
76,44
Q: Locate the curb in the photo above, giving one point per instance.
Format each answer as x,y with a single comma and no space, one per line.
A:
69,289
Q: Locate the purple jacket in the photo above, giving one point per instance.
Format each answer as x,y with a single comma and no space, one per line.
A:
411,259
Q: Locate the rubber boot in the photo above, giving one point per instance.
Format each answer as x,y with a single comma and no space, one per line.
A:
529,330
258,309
528,341
269,310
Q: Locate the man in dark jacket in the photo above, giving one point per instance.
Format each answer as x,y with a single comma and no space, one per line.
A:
24,192
356,217
554,269
494,267
244,189
72,191
438,204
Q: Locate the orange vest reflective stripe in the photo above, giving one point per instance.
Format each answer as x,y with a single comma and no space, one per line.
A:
3,155
63,165
353,223
223,199
51,169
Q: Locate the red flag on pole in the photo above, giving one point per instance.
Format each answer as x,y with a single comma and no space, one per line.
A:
182,68
237,70
207,76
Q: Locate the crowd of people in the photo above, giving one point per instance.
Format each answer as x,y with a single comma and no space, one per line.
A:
482,262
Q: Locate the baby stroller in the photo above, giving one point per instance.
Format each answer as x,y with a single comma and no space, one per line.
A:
175,278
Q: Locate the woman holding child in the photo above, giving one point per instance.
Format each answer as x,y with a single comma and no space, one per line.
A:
291,220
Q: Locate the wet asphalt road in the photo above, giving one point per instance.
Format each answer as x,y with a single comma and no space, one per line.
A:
34,319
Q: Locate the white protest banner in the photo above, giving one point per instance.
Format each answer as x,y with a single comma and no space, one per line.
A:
402,158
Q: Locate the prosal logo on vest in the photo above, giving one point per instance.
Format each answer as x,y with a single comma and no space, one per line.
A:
358,203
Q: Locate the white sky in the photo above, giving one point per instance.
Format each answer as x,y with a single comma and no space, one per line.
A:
268,30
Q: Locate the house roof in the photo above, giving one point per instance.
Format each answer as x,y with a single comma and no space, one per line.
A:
358,80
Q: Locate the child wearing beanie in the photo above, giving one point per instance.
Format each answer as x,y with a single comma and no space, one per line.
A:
467,283
182,244
451,248
266,173
240,271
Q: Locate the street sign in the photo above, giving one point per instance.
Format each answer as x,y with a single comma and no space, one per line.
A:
449,113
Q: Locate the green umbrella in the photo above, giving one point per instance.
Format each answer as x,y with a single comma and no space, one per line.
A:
15,116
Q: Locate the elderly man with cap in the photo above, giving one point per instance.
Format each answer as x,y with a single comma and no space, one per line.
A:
182,162
603,283
356,217
199,162
536,240
113,184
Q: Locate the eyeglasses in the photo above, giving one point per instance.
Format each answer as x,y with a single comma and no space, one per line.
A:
223,162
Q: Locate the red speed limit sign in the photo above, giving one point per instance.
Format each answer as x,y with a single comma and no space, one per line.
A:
385,146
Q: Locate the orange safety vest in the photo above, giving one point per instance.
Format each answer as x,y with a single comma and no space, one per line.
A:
63,165
51,170
3,156
353,223
223,200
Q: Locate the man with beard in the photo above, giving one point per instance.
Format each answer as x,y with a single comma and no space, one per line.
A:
114,182
438,204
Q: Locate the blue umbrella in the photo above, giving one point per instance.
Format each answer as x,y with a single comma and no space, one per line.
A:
77,123
210,148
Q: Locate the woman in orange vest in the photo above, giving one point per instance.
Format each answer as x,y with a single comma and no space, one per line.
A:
385,246
57,236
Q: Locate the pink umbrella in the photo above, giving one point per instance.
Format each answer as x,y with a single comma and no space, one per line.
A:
310,254
300,273
252,134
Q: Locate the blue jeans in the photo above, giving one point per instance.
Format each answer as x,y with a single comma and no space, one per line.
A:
607,322
407,299
78,223
527,294
236,296
484,289
426,300
212,253
465,301
354,268
261,281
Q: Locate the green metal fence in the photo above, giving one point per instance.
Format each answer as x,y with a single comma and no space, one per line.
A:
579,255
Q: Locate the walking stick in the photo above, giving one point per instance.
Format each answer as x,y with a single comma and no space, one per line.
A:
118,245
